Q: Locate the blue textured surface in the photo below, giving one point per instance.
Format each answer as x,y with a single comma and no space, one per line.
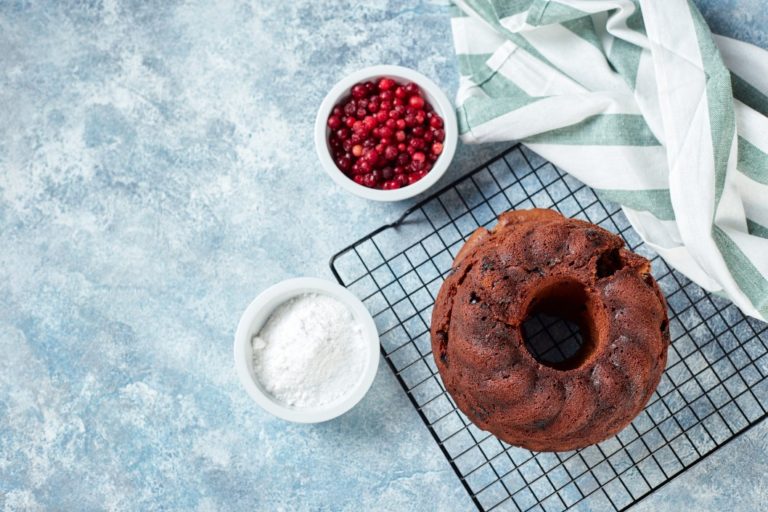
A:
157,173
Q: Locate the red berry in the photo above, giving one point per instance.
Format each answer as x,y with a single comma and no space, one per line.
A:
385,132
358,91
369,180
401,147
419,156
382,116
349,121
385,105
373,107
400,124
385,96
342,133
357,150
334,122
403,159
439,135
400,135
420,117
411,88
391,123
337,111
400,93
390,153
343,163
437,148
369,87
391,185
416,102
402,180
369,122
399,169
417,143
361,113
358,179
387,173
350,108
436,122
347,145
386,84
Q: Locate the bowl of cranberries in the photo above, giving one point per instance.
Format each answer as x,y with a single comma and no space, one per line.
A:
386,133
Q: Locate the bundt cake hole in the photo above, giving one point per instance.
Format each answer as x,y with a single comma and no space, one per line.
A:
557,330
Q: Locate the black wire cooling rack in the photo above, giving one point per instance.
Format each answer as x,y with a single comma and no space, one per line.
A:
715,386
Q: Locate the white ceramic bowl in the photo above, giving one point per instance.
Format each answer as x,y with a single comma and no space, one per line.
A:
257,313
432,94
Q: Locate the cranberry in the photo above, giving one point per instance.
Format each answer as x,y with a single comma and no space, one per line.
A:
401,147
373,107
399,169
358,91
391,185
403,159
400,93
342,133
400,124
350,108
334,142
400,135
385,105
357,150
418,131
391,123
387,173
439,135
344,163
382,116
369,143
361,113
370,180
429,136
402,180
385,132
420,117
334,122
398,102
358,179
390,153
362,103
416,102
369,122
386,84
436,122
412,88
347,145
350,121
417,143
419,157
369,87
385,96
416,176
337,111
437,148
358,127
356,138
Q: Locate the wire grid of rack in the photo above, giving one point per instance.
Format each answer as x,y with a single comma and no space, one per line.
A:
714,388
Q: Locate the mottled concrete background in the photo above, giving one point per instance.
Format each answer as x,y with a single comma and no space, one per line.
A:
157,172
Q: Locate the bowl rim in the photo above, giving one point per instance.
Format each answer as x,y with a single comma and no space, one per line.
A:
435,96
257,313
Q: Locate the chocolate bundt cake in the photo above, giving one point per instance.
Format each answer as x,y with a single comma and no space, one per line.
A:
539,262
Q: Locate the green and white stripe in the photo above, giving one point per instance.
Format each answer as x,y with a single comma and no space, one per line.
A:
638,100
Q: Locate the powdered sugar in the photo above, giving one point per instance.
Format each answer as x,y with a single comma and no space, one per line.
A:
310,352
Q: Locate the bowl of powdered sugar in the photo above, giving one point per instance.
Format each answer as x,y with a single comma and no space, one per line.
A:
306,350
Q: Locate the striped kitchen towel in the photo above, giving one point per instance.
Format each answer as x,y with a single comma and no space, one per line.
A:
641,102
